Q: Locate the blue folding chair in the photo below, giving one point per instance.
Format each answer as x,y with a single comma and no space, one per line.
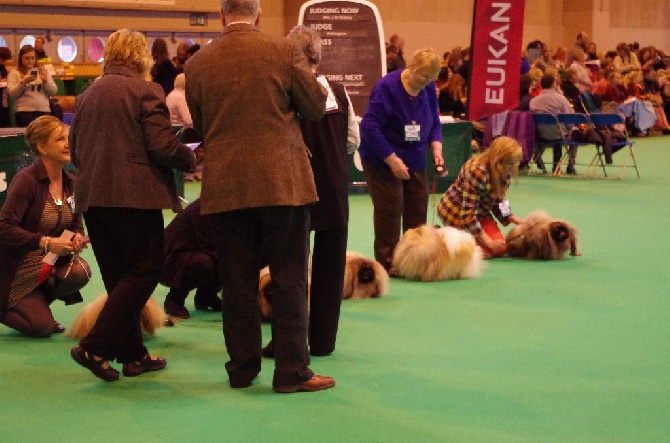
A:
543,119
576,119
604,122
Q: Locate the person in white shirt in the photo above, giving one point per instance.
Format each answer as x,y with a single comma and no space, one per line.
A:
176,103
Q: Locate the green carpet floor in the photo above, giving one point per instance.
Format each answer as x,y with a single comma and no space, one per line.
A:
569,351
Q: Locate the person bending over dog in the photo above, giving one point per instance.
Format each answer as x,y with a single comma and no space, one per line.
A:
478,195
190,263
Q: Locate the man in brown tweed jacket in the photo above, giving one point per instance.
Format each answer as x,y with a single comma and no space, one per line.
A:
245,91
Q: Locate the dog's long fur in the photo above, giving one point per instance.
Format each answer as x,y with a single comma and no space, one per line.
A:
428,253
541,237
363,278
153,317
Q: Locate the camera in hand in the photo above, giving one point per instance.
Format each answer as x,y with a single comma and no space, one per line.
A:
33,72
441,170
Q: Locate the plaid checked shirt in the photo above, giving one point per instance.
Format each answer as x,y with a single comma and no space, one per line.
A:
469,199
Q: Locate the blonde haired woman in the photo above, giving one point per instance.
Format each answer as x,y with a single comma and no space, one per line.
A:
38,209
399,125
124,181
478,195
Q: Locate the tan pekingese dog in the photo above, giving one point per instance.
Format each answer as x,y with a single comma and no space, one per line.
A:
364,278
429,253
153,317
541,237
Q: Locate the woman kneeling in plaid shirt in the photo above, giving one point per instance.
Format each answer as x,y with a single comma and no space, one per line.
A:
478,194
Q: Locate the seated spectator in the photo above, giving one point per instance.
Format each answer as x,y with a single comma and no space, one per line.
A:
614,91
552,101
651,92
581,72
535,76
625,60
592,52
570,88
38,209
190,263
560,57
640,114
524,93
582,41
452,98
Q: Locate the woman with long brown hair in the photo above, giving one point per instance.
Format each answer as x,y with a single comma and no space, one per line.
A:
30,86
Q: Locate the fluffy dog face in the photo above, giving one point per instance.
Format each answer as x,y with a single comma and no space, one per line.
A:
364,278
541,237
428,253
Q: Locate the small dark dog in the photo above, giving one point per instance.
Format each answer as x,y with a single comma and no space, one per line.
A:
541,237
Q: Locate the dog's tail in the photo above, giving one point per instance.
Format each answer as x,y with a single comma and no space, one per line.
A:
153,317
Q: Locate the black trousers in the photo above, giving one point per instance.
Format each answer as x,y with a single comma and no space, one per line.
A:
280,234
328,262
200,273
395,201
128,246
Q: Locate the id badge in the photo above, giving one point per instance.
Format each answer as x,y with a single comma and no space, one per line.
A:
505,210
70,201
413,132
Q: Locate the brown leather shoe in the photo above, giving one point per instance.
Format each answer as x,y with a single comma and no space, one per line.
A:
316,383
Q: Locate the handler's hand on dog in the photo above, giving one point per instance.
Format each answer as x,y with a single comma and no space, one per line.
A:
496,246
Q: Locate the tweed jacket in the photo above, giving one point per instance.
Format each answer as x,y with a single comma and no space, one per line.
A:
20,220
122,142
245,91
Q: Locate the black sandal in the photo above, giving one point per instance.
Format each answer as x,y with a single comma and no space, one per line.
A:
88,361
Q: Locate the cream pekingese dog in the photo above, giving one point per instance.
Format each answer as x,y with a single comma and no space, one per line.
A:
429,253
541,237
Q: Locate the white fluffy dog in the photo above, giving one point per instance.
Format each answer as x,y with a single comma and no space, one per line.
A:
429,253
153,317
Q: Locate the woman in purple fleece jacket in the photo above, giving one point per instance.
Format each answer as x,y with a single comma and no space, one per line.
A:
401,120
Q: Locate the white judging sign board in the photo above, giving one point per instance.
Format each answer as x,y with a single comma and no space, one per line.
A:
353,48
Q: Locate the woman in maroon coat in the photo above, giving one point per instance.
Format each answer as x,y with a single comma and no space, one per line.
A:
39,207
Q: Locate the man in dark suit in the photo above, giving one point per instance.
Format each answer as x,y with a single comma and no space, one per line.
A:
245,91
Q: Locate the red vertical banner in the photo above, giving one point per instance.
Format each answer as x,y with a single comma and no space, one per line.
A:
497,32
